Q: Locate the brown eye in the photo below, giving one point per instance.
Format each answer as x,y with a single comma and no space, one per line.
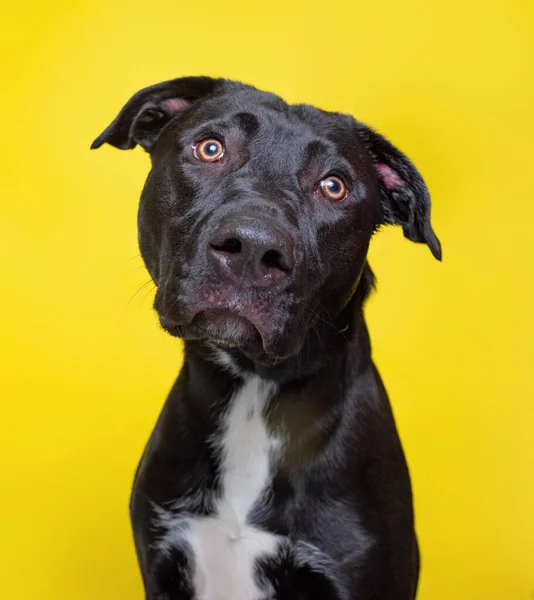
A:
210,150
333,188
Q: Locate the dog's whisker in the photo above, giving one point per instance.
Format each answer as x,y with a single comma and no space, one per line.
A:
135,269
148,293
132,257
137,292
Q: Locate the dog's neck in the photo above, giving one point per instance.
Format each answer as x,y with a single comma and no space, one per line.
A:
308,398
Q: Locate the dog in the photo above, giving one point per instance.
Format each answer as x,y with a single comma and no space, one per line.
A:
275,470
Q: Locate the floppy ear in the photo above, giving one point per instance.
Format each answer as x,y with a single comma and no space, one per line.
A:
144,116
405,197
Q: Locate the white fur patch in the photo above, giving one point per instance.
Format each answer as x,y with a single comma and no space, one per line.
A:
225,546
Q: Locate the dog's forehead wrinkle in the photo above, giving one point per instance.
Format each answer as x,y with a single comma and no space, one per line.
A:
247,122
268,109
318,148
286,148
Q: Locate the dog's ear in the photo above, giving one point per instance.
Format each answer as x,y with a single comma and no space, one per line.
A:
144,116
405,197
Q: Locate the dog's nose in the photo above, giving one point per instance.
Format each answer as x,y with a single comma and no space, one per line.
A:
251,251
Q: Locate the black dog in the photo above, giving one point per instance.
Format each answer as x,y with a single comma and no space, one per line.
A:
275,470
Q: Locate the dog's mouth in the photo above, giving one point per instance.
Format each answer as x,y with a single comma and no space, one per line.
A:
223,327
226,328
262,327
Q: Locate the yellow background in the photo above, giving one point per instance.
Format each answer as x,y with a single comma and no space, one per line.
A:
84,368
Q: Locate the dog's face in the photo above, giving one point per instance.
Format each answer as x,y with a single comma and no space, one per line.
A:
257,215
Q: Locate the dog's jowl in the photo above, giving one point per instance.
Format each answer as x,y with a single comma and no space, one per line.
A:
275,471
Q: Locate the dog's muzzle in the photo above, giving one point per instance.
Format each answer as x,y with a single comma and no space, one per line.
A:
240,294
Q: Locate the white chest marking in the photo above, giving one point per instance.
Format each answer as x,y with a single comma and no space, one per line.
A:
225,547
245,451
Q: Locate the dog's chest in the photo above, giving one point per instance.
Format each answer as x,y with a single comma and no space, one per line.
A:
224,546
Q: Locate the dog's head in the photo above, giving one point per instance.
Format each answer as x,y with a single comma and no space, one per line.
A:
257,215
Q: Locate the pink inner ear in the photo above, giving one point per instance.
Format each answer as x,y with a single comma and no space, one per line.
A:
174,105
390,178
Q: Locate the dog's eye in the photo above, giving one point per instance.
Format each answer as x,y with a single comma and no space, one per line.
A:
209,150
333,188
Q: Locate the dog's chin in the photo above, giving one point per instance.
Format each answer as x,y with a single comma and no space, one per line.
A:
227,330
222,328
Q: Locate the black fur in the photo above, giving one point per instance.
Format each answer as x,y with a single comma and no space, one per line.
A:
342,484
